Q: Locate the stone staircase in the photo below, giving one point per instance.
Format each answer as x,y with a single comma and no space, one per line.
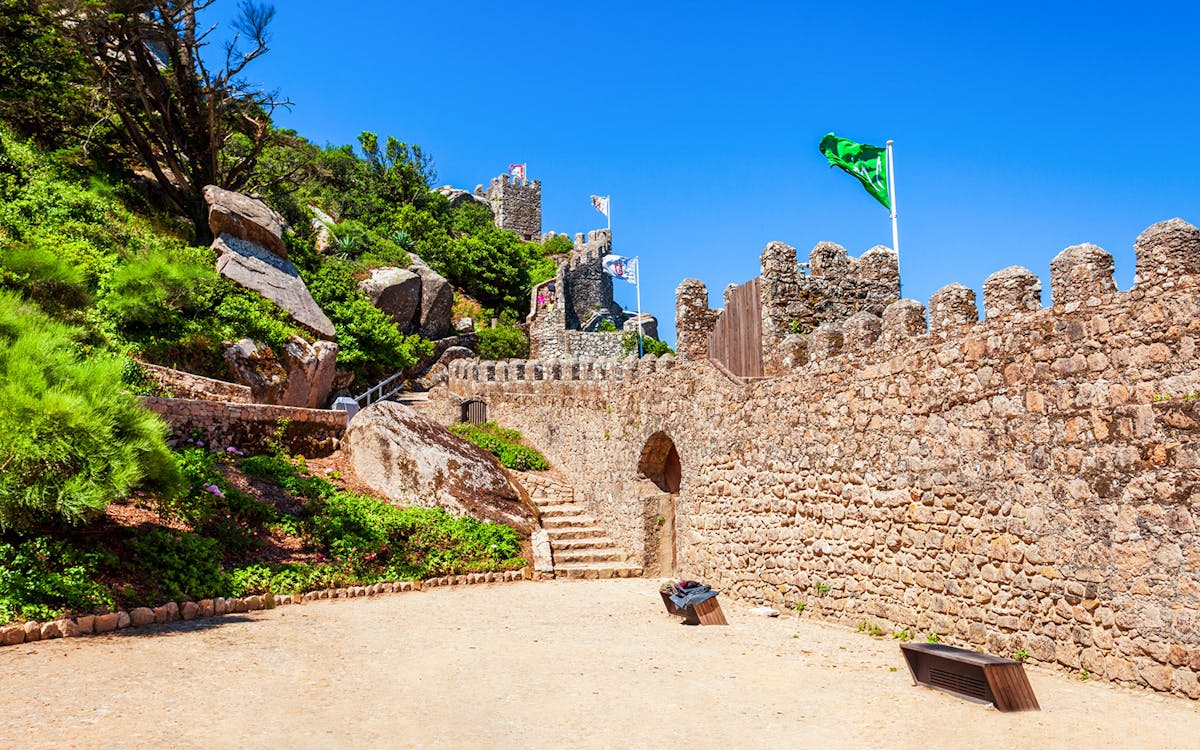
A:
581,547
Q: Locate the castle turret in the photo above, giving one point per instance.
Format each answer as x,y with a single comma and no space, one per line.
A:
517,206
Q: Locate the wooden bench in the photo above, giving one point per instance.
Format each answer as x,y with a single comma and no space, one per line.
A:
970,675
707,612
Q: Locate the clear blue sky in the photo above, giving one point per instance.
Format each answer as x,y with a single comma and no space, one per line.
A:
1020,128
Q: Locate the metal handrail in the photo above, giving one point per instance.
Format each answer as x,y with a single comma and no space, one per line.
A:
370,397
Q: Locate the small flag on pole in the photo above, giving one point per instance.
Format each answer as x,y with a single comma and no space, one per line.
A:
601,203
866,163
620,267
517,171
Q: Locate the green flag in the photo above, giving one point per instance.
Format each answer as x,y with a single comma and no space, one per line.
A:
867,163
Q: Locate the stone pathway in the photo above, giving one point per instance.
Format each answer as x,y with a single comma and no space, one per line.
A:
555,664
581,547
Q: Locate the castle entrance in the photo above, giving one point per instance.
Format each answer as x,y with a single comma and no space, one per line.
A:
661,476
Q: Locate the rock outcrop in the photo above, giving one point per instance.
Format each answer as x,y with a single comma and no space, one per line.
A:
437,299
458,197
246,218
301,375
413,460
395,291
250,266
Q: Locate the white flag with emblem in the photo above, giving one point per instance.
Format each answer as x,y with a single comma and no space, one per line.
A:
620,267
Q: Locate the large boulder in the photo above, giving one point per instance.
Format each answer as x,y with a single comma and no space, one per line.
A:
395,291
648,321
322,224
457,197
254,364
300,375
437,300
245,218
412,460
251,266
310,369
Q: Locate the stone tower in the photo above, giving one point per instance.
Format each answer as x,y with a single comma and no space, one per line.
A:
517,206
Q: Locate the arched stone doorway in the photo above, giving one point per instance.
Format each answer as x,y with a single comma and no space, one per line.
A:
661,474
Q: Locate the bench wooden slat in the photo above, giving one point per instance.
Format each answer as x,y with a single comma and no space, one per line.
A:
971,675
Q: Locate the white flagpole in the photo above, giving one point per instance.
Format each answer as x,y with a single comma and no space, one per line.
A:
638,285
891,170
608,213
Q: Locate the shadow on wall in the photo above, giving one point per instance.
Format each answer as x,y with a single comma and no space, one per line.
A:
661,475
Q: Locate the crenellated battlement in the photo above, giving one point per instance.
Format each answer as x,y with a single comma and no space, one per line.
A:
466,376
1081,277
517,206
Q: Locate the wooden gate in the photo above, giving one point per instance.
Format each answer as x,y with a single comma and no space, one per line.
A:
736,340
474,411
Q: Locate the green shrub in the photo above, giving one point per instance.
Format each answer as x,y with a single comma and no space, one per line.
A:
650,345
41,578
502,342
43,275
559,244
71,440
157,287
504,444
180,564
369,343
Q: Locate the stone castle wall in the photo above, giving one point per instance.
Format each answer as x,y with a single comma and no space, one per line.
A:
517,206
584,294
250,427
1030,481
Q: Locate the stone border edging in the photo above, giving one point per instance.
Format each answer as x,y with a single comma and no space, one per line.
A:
71,627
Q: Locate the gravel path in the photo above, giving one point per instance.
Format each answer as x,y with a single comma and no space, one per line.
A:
562,664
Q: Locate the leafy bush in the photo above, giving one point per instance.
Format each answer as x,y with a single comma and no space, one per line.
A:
650,345
504,444
155,288
180,564
369,342
288,578
502,342
559,244
71,440
40,578
378,541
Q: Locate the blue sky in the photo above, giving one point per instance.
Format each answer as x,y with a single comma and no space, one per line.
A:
1020,128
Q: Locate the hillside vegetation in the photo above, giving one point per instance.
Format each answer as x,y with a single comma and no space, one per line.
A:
109,129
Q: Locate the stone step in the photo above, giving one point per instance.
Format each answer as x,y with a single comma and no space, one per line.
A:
596,570
567,522
573,532
586,542
565,556
560,511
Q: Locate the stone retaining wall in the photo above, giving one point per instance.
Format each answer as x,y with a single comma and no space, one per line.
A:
251,427
181,384
1028,482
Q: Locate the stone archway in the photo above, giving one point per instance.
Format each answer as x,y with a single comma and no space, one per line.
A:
661,475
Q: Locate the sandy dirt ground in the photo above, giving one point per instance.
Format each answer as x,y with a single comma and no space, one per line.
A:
562,664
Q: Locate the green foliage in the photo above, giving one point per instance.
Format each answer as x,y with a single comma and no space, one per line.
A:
181,564
607,326
354,240
290,475
155,289
502,342
71,440
288,578
650,345
44,276
559,244
379,541
933,638
503,443
41,578
493,266
369,343
42,75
